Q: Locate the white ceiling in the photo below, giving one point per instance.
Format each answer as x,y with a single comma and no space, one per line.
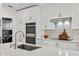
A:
17,6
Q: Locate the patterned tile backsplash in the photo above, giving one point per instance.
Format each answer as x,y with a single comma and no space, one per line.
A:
52,33
73,35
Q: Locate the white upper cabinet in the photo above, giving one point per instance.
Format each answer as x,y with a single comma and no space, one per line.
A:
65,10
75,16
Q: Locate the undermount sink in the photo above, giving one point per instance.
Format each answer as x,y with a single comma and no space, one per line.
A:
28,47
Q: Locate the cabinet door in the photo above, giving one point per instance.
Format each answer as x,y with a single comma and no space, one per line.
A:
75,22
66,11
75,16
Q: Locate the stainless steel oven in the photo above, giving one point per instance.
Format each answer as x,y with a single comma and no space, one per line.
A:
31,33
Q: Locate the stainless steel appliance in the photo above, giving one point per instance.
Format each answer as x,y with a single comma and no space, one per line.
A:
31,33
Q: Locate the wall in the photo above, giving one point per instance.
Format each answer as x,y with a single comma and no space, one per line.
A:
42,15
75,22
53,11
75,16
21,18
31,15
10,13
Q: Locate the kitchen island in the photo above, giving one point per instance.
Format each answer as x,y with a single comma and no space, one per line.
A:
46,50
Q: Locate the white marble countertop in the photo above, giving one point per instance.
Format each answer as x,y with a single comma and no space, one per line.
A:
77,41
53,39
5,50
